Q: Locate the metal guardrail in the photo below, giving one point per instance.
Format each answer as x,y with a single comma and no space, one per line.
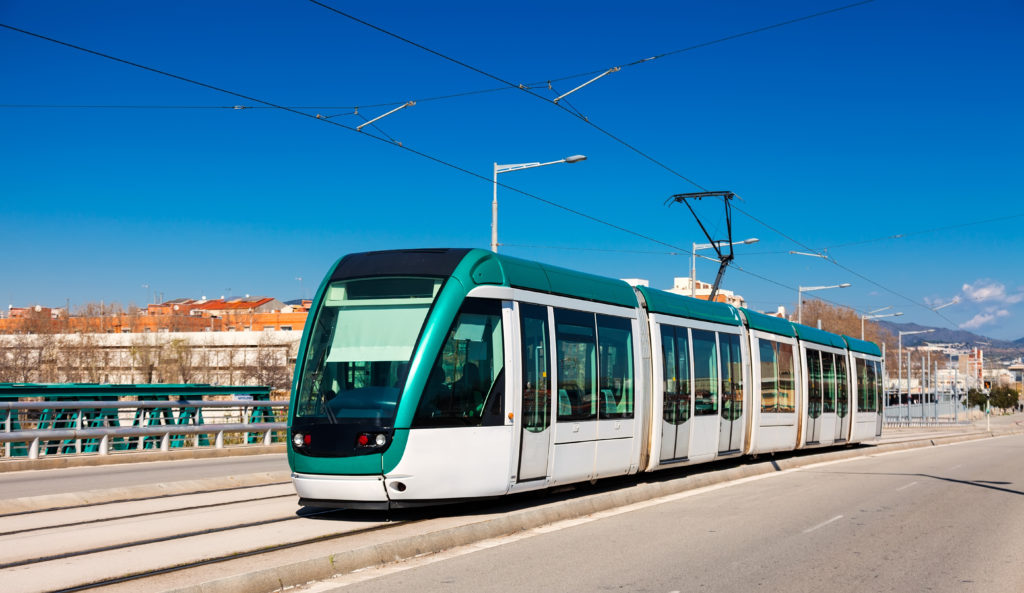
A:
95,426
925,414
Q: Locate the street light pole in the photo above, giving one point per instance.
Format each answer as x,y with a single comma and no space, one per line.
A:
800,297
517,167
693,259
900,359
869,316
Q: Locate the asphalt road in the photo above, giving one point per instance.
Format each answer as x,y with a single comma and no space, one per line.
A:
939,519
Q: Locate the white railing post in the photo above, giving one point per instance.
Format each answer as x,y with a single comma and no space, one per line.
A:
105,444
268,437
78,426
165,442
33,449
219,442
7,428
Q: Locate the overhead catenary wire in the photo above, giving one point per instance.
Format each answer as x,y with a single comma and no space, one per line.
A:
463,93
421,154
292,110
526,89
267,104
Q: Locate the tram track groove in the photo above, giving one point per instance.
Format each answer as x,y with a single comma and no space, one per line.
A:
156,540
145,514
138,499
239,555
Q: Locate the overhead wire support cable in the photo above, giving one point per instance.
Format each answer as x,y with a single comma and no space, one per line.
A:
267,104
524,88
606,73
380,117
351,129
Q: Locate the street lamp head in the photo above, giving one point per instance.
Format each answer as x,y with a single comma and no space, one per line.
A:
575,158
897,314
751,240
844,285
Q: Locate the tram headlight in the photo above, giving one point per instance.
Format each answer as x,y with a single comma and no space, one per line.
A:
297,439
369,439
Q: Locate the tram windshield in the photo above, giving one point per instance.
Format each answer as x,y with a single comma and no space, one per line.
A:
358,354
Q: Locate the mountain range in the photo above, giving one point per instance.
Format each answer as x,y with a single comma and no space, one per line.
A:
992,347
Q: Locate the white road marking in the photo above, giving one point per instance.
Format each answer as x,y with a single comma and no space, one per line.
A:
905,486
820,525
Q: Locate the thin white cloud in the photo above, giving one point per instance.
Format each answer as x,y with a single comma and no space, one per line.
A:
990,291
979,320
985,290
983,319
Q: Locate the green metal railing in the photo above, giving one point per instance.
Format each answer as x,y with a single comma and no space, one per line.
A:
91,418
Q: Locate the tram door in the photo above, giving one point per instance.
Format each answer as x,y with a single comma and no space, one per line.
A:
814,397
677,396
843,416
730,435
535,441
879,390
827,421
706,392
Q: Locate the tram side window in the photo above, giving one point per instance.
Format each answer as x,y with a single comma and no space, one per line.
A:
705,373
828,375
787,383
813,383
615,362
675,350
769,376
842,388
872,380
576,351
879,386
732,377
864,396
536,368
466,383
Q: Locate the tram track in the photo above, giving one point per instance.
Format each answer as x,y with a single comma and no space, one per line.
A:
171,495
138,515
240,555
155,540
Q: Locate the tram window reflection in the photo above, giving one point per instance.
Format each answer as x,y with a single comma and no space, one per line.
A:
787,383
615,362
814,389
464,387
536,368
675,348
828,374
732,377
576,350
705,373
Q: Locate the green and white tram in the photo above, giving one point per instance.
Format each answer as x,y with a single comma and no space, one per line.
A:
429,376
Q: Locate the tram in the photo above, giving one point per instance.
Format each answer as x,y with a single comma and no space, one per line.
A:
435,375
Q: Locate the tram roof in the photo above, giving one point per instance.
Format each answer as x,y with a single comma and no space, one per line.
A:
659,301
819,336
531,275
863,346
768,323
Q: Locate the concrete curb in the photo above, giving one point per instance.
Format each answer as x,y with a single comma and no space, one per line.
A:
294,574
17,465
73,499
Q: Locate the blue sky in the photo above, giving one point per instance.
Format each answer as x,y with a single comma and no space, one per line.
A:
838,133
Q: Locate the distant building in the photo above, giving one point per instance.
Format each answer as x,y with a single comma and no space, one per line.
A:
178,315
702,290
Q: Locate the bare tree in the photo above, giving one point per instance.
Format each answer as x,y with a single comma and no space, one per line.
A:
178,363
